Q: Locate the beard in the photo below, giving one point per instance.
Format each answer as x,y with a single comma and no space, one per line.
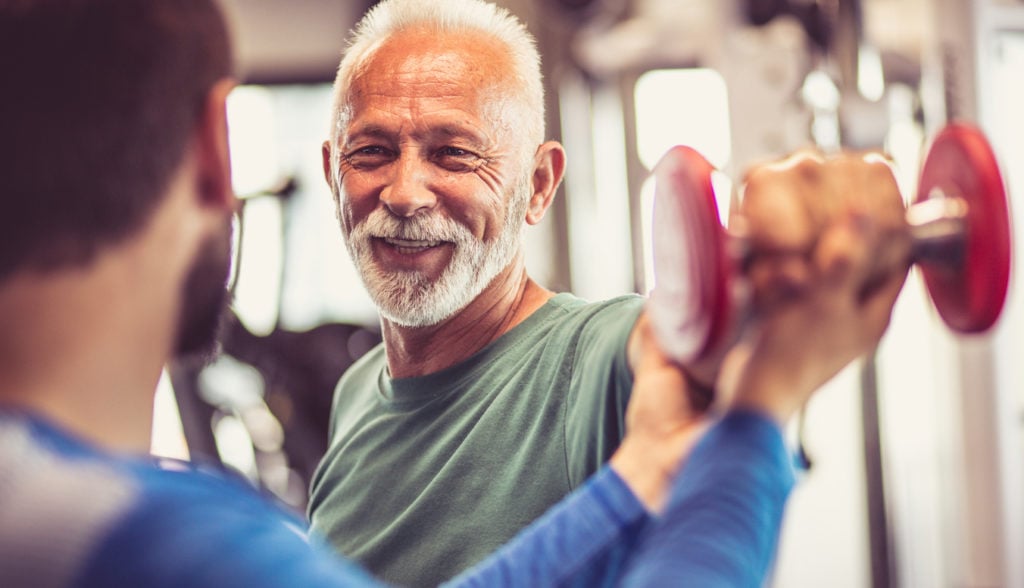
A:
205,298
412,299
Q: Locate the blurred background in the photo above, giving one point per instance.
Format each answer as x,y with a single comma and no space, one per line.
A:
918,455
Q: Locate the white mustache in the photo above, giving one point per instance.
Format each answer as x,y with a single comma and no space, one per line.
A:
419,228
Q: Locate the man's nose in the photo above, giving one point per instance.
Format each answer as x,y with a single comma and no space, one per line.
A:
409,191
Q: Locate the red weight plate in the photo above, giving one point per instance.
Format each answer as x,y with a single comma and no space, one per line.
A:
960,163
690,305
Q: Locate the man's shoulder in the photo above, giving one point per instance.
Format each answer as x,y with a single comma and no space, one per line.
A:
184,528
358,385
55,500
58,473
575,331
72,475
570,304
71,514
366,368
565,321
573,312
183,514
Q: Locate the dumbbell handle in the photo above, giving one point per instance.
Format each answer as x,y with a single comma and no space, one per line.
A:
938,229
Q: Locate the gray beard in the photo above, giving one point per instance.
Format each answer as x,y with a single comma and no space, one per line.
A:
411,299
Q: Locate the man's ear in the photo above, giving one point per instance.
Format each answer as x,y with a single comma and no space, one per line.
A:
325,152
548,169
213,156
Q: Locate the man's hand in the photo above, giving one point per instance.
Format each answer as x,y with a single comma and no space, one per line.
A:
662,422
833,253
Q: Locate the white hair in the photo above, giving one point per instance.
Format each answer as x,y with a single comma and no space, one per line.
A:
392,16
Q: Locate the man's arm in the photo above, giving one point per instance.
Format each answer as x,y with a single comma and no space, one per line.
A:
725,510
583,540
722,520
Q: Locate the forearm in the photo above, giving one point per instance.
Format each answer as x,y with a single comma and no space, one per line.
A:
666,416
722,521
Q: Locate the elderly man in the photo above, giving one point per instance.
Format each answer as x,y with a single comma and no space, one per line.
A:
490,397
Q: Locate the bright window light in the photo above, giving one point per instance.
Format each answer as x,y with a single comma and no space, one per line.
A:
168,438
870,78
235,445
682,107
254,162
258,292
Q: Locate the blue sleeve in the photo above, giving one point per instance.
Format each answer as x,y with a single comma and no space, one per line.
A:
719,530
582,541
212,534
184,531
722,522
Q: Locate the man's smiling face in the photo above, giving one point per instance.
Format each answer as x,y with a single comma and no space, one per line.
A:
433,178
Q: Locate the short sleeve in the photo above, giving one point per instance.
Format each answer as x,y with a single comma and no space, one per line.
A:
601,383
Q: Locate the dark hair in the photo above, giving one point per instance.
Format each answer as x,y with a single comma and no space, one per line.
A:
99,99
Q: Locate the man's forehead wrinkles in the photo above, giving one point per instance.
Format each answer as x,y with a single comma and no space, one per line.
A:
410,86
420,132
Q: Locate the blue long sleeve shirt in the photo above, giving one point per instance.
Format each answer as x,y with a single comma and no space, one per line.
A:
71,515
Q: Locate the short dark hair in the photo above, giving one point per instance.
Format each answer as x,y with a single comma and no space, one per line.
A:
99,99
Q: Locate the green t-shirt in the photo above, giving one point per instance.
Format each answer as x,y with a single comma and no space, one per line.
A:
425,476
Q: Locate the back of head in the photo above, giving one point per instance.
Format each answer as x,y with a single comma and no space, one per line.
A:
99,102
448,16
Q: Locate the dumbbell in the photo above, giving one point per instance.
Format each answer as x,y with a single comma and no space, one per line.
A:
959,231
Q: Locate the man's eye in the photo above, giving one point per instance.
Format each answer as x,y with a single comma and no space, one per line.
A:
371,151
456,158
450,151
369,156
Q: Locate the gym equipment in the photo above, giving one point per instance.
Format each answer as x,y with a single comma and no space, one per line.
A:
958,224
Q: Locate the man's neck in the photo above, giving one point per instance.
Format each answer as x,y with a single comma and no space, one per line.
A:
78,350
506,302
